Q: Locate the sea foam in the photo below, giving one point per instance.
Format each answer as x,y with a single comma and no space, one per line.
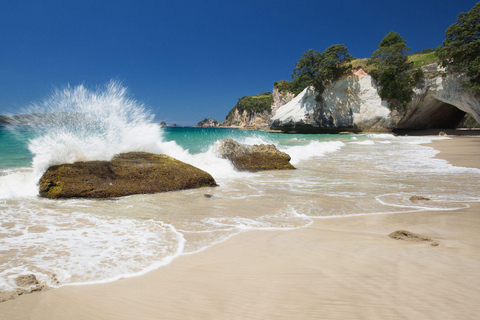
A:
80,124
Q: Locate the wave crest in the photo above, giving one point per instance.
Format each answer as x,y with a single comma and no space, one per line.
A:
79,124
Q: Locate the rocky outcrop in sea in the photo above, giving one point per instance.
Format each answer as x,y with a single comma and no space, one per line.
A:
208,123
254,157
127,174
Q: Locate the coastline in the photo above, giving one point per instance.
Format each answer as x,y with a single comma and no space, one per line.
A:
334,268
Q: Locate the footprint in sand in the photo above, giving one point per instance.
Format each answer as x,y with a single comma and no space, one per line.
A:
410,236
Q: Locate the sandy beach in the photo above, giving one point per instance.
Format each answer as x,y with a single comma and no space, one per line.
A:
336,268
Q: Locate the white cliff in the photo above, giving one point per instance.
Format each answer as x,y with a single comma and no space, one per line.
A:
298,110
353,103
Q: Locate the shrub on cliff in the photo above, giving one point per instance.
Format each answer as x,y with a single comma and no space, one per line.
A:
282,86
319,69
392,70
460,51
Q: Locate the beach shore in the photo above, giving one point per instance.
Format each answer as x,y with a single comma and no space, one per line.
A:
336,268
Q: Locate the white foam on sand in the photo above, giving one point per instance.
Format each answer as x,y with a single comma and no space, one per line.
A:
72,247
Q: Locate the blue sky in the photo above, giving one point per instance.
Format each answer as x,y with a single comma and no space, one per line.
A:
187,60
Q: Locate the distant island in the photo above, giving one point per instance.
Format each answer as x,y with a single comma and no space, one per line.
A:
4,120
208,123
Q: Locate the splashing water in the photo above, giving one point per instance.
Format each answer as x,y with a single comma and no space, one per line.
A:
78,124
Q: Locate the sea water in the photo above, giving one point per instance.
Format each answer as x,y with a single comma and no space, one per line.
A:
84,241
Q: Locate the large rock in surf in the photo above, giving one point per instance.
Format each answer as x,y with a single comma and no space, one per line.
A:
128,173
254,158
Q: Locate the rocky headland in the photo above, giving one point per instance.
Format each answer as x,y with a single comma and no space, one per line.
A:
353,103
251,111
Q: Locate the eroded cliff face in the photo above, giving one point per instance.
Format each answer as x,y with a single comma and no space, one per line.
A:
280,99
258,119
353,103
247,119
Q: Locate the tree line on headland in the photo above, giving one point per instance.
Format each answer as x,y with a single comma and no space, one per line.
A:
395,70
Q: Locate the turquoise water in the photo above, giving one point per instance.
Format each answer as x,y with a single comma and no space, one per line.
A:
14,141
198,140
14,147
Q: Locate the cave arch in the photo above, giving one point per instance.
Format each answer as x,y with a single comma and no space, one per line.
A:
435,114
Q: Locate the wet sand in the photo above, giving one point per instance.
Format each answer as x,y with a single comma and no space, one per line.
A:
337,268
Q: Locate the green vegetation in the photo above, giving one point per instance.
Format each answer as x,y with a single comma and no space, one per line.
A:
423,59
282,86
362,63
460,51
393,71
261,103
320,69
424,51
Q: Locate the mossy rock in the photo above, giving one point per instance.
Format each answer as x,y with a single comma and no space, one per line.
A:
127,174
254,158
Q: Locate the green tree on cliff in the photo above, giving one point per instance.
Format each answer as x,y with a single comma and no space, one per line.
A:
460,51
393,72
319,69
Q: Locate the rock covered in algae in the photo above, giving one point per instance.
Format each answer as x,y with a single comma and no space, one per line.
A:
254,158
127,174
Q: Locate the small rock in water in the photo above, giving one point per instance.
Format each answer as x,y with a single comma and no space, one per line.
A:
442,134
26,280
28,283
207,195
254,158
418,198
